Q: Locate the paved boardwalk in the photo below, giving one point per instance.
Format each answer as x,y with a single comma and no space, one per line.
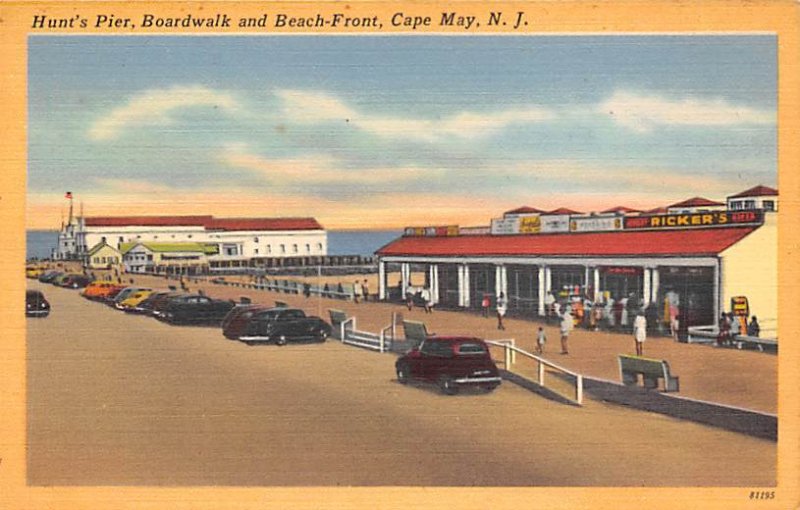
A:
115,399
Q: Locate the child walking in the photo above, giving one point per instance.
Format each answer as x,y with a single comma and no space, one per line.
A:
541,339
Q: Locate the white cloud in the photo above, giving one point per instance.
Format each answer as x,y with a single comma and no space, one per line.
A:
318,169
643,112
153,107
317,107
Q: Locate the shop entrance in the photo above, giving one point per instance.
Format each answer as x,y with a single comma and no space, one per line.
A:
693,287
448,285
523,289
567,281
482,279
622,282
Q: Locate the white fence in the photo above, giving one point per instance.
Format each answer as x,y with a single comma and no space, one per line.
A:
543,366
352,336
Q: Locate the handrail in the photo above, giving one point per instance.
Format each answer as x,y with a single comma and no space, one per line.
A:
383,336
342,327
507,346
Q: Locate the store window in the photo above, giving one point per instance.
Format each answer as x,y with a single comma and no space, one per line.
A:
769,205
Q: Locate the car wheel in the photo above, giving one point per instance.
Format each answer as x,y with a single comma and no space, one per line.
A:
490,388
447,385
281,340
403,374
322,335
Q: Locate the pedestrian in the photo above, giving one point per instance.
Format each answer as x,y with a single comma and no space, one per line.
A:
365,289
541,339
549,302
502,307
357,290
753,329
724,330
566,326
673,320
485,305
410,297
639,332
427,299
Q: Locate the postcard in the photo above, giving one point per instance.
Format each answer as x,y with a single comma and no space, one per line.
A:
384,254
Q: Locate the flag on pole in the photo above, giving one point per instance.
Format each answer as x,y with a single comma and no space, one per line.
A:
68,195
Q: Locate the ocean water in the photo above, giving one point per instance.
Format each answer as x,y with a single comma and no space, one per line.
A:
340,242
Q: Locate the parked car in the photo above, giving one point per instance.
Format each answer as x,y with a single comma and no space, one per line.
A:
195,309
133,300
49,276
450,362
74,281
146,306
238,316
277,325
101,290
34,272
161,301
35,304
123,294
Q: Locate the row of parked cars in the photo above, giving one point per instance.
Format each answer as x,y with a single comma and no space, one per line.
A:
451,363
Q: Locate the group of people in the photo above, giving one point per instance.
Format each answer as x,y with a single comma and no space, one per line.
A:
731,326
360,291
424,295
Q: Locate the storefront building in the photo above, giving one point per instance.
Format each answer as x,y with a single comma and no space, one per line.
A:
700,260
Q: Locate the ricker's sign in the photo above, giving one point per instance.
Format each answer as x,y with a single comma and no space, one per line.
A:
695,220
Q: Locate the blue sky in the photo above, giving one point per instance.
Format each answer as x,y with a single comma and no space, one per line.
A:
389,131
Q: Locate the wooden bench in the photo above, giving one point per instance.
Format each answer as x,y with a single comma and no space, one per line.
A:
651,369
337,318
415,332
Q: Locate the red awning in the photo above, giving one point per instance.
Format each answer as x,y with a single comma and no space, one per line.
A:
700,242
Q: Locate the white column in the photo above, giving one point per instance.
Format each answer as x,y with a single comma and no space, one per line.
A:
596,284
504,280
542,292
654,282
404,273
381,280
498,280
646,277
719,306
460,269
586,270
548,279
433,271
466,285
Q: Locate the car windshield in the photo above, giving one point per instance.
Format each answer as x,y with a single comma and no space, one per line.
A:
472,348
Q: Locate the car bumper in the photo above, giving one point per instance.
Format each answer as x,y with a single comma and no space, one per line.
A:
478,380
37,313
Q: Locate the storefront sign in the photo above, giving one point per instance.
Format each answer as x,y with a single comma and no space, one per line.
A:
443,231
474,231
530,225
622,270
505,226
595,224
695,220
739,306
555,223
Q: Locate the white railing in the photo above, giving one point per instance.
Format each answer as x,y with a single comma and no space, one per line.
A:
362,338
510,350
709,334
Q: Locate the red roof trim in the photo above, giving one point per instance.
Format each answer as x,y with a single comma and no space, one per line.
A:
622,209
208,222
757,191
696,202
524,210
147,221
563,210
707,242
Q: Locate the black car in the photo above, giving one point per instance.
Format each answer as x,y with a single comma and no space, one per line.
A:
277,325
35,304
49,276
75,281
195,309
450,362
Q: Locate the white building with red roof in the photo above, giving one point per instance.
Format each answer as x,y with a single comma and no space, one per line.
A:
758,197
699,256
236,238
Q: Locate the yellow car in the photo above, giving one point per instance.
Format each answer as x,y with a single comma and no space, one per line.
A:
134,299
34,271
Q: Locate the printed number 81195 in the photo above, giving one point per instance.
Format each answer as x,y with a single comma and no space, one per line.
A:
762,494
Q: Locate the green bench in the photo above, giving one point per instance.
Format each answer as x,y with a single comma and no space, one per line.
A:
337,318
651,370
415,332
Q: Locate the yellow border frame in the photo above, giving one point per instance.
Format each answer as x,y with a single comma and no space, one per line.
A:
779,17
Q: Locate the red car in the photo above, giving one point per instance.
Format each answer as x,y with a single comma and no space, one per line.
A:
450,362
